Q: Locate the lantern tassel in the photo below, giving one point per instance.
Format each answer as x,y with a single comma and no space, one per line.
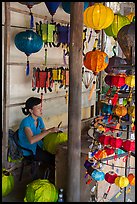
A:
118,194
31,20
27,68
92,89
64,57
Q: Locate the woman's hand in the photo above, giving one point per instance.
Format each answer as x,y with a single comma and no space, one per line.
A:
54,129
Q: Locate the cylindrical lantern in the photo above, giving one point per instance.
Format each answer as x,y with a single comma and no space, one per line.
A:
118,22
129,145
116,142
28,42
130,80
98,17
98,175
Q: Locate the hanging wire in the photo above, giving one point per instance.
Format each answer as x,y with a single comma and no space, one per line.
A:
122,167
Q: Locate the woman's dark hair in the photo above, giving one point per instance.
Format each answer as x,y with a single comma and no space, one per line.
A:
30,103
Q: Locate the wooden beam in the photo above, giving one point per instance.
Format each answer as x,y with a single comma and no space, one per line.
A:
74,108
6,87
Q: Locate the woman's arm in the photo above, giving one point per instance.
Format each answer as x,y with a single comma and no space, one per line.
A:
40,136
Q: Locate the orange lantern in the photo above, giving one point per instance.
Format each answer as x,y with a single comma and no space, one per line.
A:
100,154
120,110
121,181
130,16
98,17
131,179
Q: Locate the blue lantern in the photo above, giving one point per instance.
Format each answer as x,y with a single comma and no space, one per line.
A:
52,7
66,6
30,5
28,42
98,175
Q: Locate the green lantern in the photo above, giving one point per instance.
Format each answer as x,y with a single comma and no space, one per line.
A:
52,140
41,190
118,22
7,182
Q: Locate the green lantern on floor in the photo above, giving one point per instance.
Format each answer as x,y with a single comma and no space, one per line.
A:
118,22
7,182
41,190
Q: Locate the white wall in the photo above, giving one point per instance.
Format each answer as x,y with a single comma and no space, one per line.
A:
20,84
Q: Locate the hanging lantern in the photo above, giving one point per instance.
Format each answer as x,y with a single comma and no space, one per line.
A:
98,17
130,80
30,5
100,154
98,175
121,181
28,42
107,108
126,40
110,178
116,142
131,178
109,150
131,111
52,7
87,77
129,145
104,139
118,80
115,62
66,6
120,110
7,182
118,22
131,16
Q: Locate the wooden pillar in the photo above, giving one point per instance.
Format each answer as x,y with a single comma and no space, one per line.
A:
6,86
74,108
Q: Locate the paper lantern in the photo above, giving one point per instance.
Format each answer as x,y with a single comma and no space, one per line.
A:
118,22
7,182
131,111
66,6
52,7
118,80
28,42
109,150
52,140
129,145
41,190
98,175
131,16
116,142
120,110
121,181
110,178
98,17
126,41
96,61
104,139
131,178
100,154
130,80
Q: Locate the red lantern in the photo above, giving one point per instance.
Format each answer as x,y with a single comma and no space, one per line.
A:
110,178
129,145
118,80
104,139
109,150
116,142
100,154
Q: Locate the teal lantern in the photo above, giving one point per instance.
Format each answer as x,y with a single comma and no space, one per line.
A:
66,6
28,42
52,7
98,175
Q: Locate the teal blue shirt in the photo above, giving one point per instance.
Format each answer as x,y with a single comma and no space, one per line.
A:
23,140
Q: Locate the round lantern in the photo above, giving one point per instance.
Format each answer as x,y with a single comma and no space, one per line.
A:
41,190
7,182
130,80
118,22
66,6
52,140
52,7
118,80
98,175
121,181
100,154
130,16
28,42
96,61
98,17
104,139
131,178
126,41
120,110
129,145
116,142
109,150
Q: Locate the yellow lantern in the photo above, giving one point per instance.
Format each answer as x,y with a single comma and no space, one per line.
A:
130,80
98,17
121,181
131,111
130,16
